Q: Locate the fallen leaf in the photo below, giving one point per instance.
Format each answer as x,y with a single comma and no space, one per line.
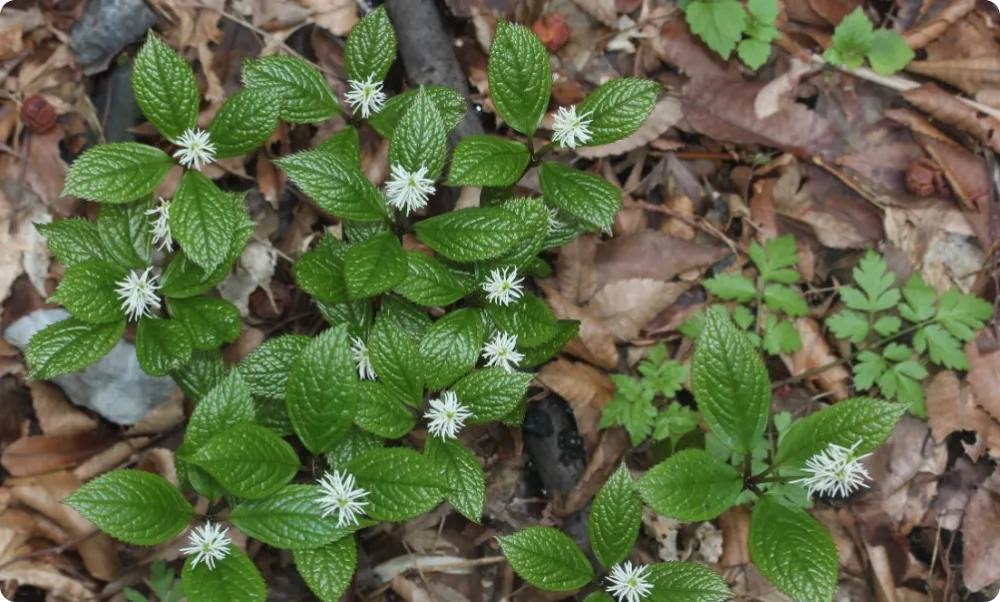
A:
47,577
254,269
652,254
594,342
905,471
968,74
336,16
951,408
981,530
602,10
110,458
984,378
816,352
56,416
45,453
575,269
922,35
778,93
607,457
949,109
666,114
626,306
735,524
677,46
586,389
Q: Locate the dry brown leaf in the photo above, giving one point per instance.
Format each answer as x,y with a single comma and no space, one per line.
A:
607,457
47,577
951,408
111,458
949,109
56,416
816,352
575,269
602,10
594,342
585,388
984,378
676,45
966,174
981,528
44,453
665,115
162,418
626,306
336,16
921,36
967,74
778,94
652,254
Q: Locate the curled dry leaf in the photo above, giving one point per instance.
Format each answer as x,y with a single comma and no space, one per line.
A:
575,269
951,408
586,389
625,306
56,416
949,109
336,16
651,254
44,453
46,577
984,378
666,114
110,458
602,10
816,352
594,342
967,74
921,36
606,459
981,529
777,94
677,46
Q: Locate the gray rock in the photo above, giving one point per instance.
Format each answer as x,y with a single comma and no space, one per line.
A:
107,27
115,387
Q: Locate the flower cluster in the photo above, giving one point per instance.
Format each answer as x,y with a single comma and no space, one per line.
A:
447,416
342,496
209,544
138,294
835,471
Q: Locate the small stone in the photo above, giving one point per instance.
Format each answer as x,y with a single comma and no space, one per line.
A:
107,27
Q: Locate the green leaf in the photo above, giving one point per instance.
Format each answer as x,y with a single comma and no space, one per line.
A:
210,321
887,325
720,23
134,506
357,315
691,485
291,519
846,423
244,123
776,258
793,551
599,596
353,445
371,47
491,393
780,336
234,578
587,197
731,287
162,345
165,88
686,582
632,408
322,392
420,139
400,483
357,232
405,316
87,290
869,369
450,104
336,183
461,470
429,283
267,368
547,558
205,370
397,362
944,349
201,219
614,520
225,406
849,325
675,421
730,383
74,240
345,143
873,277
304,93
117,173
889,52
618,108
488,161
451,347
248,460
273,414
374,266
962,314
183,278
754,53
535,215
853,39
472,234
920,300
520,76
531,319
380,413
320,272
126,232
329,570
786,299
565,331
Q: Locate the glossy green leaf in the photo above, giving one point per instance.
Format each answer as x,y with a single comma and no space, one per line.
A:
547,558
266,369
87,290
336,183
587,197
162,346
374,266
451,347
210,321
120,172
491,393
165,88
691,485
248,460
305,96
472,234
520,76
614,519
244,122
401,483
461,470
202,220
488,161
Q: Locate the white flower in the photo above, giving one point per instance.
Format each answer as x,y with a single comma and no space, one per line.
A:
501,350
835,471
363,358
208,543
196,149
571,130
447,416
161,225
554,223
503,286
367,94
342,497
628,583
138,294
408,191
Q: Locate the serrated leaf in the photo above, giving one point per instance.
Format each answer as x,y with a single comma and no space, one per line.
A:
320,272
547,558
943,349
134,506
719,23
357,232
565,331
849,325
357,315
126,233
396,359
210,321
887,325
304,93
420,139
380,413
202,220
853,38
248,460
225,406
793,551
450,104
618,108
336,184
183,278
868,370
691,485
429,283
535,216
531,319
266,369
787,299
520,76
405,316
587,197
74,240
244,123
889,52
400,483
117,173
488,161
920,300
962,315
371,47
162,346
353,445
860,420
374,266
491,393
205,370
329,570
234,578
731,287
451,347
165,89
686,582
87,290
461,470
291,519
614,519
730,383
472,234
754,53
346,143
322,391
